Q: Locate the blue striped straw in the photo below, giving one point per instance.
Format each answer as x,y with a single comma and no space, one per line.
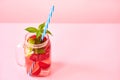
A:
47,22
46,27
31,68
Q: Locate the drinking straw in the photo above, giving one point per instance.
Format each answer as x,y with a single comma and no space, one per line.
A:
31,68
47,22
44,32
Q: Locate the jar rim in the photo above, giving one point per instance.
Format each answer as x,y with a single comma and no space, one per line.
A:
40,45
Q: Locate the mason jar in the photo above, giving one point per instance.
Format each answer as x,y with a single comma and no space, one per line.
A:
37,56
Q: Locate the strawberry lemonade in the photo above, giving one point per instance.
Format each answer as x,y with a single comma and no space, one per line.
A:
37,52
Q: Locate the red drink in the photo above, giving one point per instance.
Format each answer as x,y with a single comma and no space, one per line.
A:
37,55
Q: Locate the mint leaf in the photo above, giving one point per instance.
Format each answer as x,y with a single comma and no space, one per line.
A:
41,26
31,41
41,30
31,29
39,51
38,33
48,32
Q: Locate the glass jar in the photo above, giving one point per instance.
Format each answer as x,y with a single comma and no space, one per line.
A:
37,56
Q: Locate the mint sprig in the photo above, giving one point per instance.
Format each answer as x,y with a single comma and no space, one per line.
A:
38,30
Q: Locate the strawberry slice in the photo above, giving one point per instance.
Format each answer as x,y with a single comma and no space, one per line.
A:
36,69
44,39
33,37
43,56
44,65
34,57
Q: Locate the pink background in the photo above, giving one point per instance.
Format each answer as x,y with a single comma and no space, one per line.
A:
79,51
66,11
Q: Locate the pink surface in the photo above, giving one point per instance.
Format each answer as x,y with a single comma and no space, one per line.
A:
79,52
66,11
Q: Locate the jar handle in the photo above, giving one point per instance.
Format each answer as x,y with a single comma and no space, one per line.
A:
19,55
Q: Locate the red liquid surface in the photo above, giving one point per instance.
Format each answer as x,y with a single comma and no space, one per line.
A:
42,61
